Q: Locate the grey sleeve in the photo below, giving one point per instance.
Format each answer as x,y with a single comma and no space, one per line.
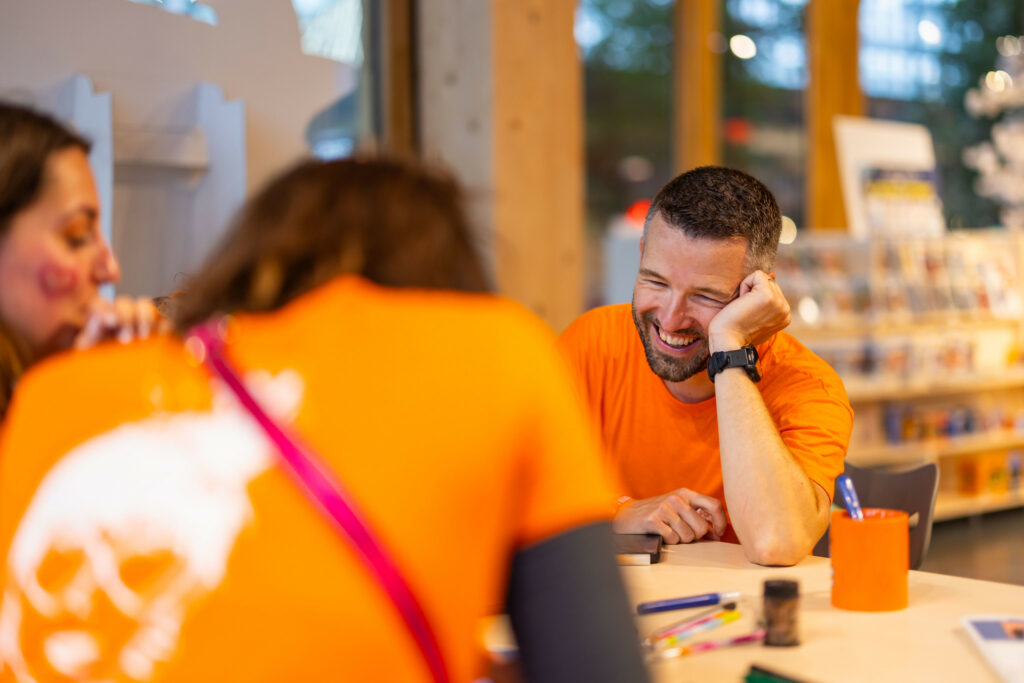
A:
570,613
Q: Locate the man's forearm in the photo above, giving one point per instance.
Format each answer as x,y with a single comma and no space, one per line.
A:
778,513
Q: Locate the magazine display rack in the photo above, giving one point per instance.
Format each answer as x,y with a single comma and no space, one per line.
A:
928,337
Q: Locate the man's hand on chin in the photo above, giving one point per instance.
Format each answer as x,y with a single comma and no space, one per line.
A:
680,516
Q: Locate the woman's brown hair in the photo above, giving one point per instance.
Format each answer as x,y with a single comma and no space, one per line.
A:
396,223
27,141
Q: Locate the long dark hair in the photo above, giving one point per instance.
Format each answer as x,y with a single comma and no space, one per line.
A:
27,141
396,223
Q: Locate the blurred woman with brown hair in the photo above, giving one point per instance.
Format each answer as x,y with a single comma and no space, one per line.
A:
53,256
170,531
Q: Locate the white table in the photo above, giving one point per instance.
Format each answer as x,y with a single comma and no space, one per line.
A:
924,642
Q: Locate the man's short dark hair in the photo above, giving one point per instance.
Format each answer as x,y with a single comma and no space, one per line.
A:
714,202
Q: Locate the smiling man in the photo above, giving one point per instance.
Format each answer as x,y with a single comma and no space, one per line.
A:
717,424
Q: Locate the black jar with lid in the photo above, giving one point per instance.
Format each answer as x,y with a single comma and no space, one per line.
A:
781,612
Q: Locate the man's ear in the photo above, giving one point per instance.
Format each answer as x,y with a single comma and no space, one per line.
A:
641,246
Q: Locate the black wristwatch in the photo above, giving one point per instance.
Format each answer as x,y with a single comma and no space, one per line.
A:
745,358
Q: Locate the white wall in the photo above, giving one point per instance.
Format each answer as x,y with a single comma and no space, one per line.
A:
151,63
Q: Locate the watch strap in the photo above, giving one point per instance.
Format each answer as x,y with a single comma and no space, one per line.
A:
745,357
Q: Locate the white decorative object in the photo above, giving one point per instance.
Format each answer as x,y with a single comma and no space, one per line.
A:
888,175
1000,162
180,173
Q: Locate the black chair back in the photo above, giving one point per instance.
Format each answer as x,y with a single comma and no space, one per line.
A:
912,490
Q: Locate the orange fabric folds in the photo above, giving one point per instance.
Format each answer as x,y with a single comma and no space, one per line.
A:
149,534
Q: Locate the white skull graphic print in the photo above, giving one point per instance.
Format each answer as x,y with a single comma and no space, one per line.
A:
129,529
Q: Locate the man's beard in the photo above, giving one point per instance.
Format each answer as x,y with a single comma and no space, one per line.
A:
664,366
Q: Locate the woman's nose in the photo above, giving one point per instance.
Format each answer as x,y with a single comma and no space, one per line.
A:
106,269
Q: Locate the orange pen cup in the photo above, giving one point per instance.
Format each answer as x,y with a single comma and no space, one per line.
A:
870,560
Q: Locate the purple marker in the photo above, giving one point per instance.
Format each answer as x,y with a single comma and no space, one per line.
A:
689,601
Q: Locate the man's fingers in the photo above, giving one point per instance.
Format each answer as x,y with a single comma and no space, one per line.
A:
749,283
667,534
710,509
682,530
696,526
701,525
681,516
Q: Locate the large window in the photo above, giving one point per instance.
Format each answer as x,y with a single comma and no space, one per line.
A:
764,77
627,53
918,58
331,29
334,29
190,8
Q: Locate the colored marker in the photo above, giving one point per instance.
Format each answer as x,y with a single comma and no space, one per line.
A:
759,674
849,495
684,603
685,624
726,618
711,645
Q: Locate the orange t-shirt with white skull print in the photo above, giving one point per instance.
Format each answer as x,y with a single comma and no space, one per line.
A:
150,535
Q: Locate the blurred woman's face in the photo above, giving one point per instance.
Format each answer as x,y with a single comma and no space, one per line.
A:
54,257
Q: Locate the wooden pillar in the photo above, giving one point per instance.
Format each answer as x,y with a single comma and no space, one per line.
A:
697,81
398,98
834,88
501,102
538,163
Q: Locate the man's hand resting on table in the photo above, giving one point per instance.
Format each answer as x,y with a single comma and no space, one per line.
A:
680,516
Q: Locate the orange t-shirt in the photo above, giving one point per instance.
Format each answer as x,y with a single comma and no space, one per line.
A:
657,443
150,535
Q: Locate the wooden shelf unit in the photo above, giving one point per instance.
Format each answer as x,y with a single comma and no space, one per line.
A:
953,506
868,336
871,390
933,449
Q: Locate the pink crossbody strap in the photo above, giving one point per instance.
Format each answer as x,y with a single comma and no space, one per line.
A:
321,487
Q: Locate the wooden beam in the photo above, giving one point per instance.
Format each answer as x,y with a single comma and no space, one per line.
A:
501,103
697,91
398,117
538,156
834,88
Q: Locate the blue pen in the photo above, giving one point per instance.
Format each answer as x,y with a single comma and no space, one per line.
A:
689,601
849,495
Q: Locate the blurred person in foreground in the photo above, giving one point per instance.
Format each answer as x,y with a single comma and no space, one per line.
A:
153,535
718,424
53,255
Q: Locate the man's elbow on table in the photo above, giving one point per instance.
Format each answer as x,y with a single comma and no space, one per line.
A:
777,550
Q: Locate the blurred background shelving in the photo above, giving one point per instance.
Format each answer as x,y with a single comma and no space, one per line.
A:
927,334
